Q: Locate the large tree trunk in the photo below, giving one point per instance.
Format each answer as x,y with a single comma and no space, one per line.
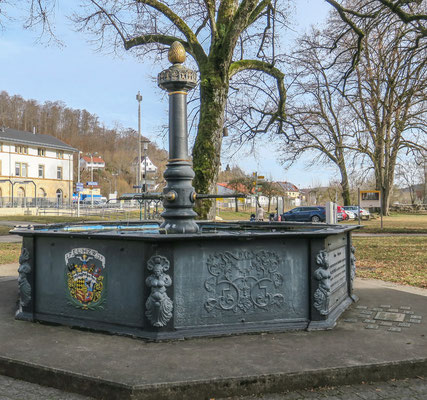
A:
207,147
345,186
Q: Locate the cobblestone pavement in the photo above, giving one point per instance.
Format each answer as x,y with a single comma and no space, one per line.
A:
12,389
408,389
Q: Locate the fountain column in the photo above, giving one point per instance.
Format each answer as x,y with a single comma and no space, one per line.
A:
179,215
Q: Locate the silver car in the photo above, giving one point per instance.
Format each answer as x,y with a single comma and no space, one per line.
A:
364,214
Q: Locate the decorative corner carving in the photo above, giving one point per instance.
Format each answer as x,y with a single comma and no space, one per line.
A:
24,285
244,282
322,274
159,306
352,264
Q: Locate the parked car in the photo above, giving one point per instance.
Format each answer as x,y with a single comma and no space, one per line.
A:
305,214
364,214
351,214
344,215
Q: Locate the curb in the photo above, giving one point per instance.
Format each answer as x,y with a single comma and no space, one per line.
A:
207,389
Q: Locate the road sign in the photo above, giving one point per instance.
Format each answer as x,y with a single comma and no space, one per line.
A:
370,198
92,183
137,186
260,177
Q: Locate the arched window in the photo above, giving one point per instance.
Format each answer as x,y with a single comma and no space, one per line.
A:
20,193
41,196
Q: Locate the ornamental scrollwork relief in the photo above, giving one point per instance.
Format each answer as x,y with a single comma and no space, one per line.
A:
244,282
24,271
159,306
322,274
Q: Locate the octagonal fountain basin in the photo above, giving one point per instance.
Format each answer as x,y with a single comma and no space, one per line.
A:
133,279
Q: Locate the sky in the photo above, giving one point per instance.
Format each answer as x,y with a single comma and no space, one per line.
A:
106,85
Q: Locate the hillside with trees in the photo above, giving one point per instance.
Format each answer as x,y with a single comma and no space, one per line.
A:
84,131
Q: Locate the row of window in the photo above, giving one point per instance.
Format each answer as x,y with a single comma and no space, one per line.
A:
40,151
21,169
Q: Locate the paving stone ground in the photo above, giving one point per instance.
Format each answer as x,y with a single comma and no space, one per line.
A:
408,389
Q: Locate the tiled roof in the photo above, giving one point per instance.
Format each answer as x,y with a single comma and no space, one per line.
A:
95,159
37,139
288,187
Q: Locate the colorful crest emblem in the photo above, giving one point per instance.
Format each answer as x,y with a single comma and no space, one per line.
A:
85,277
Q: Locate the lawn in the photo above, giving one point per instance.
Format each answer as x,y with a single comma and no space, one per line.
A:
400,259
9,252
395,223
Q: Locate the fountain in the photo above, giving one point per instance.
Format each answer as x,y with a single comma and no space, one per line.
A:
184,278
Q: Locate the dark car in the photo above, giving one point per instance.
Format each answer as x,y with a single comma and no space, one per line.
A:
305,214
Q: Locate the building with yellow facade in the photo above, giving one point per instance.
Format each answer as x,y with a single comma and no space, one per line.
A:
35,169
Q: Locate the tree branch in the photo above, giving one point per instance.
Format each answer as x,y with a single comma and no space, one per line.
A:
193,43
255,65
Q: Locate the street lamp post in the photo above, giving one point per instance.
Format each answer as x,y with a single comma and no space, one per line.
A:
78,181
145,144
138,181
91,178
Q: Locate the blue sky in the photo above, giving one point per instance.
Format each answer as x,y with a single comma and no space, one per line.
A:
106,85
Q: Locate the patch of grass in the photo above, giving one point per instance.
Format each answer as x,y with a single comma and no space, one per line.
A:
4,230
236,216
9,252
395,223
393,259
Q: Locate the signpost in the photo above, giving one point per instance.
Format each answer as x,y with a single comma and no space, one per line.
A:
371,198
91,184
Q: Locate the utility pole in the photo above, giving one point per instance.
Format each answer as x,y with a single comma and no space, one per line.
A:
138,181
145,143
91,177
78,182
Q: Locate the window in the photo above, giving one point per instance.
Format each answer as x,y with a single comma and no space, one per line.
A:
59,154
59,173
41,171
41,152
21,149
21,169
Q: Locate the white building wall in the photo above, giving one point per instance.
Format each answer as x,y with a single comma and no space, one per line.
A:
9,159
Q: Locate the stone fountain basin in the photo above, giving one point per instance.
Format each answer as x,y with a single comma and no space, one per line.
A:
237,277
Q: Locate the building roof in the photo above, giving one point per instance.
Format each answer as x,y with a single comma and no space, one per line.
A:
36,139
288,187
238,188
96,159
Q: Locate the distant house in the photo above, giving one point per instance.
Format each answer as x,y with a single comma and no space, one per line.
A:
95,162
225,188
291,193
151,168
34,168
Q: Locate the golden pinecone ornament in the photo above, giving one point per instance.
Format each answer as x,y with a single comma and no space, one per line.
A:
176,53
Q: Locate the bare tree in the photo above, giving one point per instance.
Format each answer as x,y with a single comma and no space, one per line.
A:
361,16
318,114
388,100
